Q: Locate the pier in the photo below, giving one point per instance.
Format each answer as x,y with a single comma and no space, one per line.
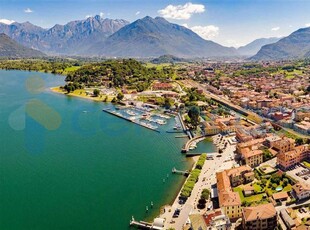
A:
198,154
157,225
185,130
127,119
175,171
181,136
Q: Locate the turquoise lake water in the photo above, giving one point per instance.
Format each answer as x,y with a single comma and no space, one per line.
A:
65,164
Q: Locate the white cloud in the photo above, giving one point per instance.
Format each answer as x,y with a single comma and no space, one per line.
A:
206,32
88,16
275,28
185,25
181,11
101,14
28,10
138,12
6,21
307,24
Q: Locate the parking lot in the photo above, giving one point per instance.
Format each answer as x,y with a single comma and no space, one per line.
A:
300,173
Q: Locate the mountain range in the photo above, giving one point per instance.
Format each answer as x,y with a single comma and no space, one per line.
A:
10,48
145,38
153,37
71,39
253,47
294,46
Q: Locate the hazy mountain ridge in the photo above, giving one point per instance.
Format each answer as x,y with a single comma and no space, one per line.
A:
253,47
296,45
10,48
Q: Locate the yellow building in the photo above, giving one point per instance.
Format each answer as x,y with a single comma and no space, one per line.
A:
252,158
240,175
229,200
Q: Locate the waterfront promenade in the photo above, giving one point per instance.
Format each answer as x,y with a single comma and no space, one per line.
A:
206,179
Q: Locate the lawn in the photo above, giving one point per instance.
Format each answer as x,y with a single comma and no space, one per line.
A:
288,188
158,66
70,69
249,199
82,93
257,188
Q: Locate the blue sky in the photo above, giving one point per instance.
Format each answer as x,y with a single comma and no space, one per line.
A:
228,22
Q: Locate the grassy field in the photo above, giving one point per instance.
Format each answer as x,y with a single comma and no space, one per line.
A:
158,66
83,94
70,69
257,188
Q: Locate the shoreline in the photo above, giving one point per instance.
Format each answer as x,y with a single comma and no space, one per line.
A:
193,159
81,95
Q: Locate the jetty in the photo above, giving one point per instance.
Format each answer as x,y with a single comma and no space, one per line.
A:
157,225
128,119
175,171
185,130
209,155
185,149
181,136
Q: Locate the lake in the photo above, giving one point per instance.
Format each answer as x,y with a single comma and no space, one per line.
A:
65,164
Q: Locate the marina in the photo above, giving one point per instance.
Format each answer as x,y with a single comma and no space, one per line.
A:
138,116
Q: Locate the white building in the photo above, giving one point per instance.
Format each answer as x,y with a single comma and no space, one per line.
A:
301,191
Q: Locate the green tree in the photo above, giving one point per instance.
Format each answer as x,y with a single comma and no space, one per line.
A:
194,114
168,103
114,100
96,92
120,96
275,179
285,182
205,194
299,141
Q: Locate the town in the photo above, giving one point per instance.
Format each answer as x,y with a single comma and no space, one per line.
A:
257,116
260,124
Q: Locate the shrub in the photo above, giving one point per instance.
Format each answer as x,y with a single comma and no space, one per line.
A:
201,161
275,178
205,194
274,185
